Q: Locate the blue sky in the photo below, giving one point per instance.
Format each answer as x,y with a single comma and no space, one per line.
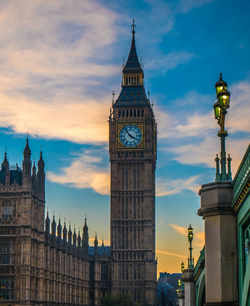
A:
60,62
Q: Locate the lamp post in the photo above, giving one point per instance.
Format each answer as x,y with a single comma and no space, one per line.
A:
190,239
179,283
182,267
220,111
180,290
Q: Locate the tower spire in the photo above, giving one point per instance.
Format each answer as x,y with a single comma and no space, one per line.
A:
132,65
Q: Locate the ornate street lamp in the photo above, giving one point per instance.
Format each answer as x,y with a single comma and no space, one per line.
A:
220,111
190,239
220,85
182,267
180,281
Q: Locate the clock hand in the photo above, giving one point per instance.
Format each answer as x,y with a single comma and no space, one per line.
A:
131,136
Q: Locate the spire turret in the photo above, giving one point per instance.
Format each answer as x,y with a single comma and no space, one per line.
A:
85,228
41,161
85,237
34,169
64,232
96,245
47,223
79,239
53,226
5,163
59,229
41,177
5,168
70,235
26,159
34,178
74,237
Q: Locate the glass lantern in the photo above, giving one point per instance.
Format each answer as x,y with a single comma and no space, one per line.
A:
224,99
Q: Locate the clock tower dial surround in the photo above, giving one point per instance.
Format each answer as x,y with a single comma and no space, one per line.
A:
133,154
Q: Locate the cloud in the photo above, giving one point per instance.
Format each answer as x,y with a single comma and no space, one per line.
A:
169,253
180,229
53,40
170,61
199,124
199,237
75,121
162,14
90,170
239,112
169,187
184,6
193,125
87,170
195,136
205,152
53,58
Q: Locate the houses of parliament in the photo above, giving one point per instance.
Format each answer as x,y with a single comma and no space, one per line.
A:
45,263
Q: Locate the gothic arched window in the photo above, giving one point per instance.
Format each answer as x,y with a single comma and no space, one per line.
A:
6,210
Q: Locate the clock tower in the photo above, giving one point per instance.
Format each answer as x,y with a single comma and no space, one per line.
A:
132,149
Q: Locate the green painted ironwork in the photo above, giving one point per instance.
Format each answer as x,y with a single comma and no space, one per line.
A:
200,265
241,205
223,165
242,177
190,239
199,278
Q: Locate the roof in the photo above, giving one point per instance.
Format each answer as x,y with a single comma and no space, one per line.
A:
132,96
132,64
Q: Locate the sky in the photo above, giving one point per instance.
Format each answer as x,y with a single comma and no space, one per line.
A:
61,60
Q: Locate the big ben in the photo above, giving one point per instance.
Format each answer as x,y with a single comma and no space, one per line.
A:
133,154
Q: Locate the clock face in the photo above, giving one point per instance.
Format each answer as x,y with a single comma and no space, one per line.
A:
130,135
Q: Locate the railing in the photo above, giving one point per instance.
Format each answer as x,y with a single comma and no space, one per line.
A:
200,264
242,176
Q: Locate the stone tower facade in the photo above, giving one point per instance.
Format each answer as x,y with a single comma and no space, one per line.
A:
133,154
41,262
21,228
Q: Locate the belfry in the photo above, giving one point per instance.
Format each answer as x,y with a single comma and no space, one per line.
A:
133,154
